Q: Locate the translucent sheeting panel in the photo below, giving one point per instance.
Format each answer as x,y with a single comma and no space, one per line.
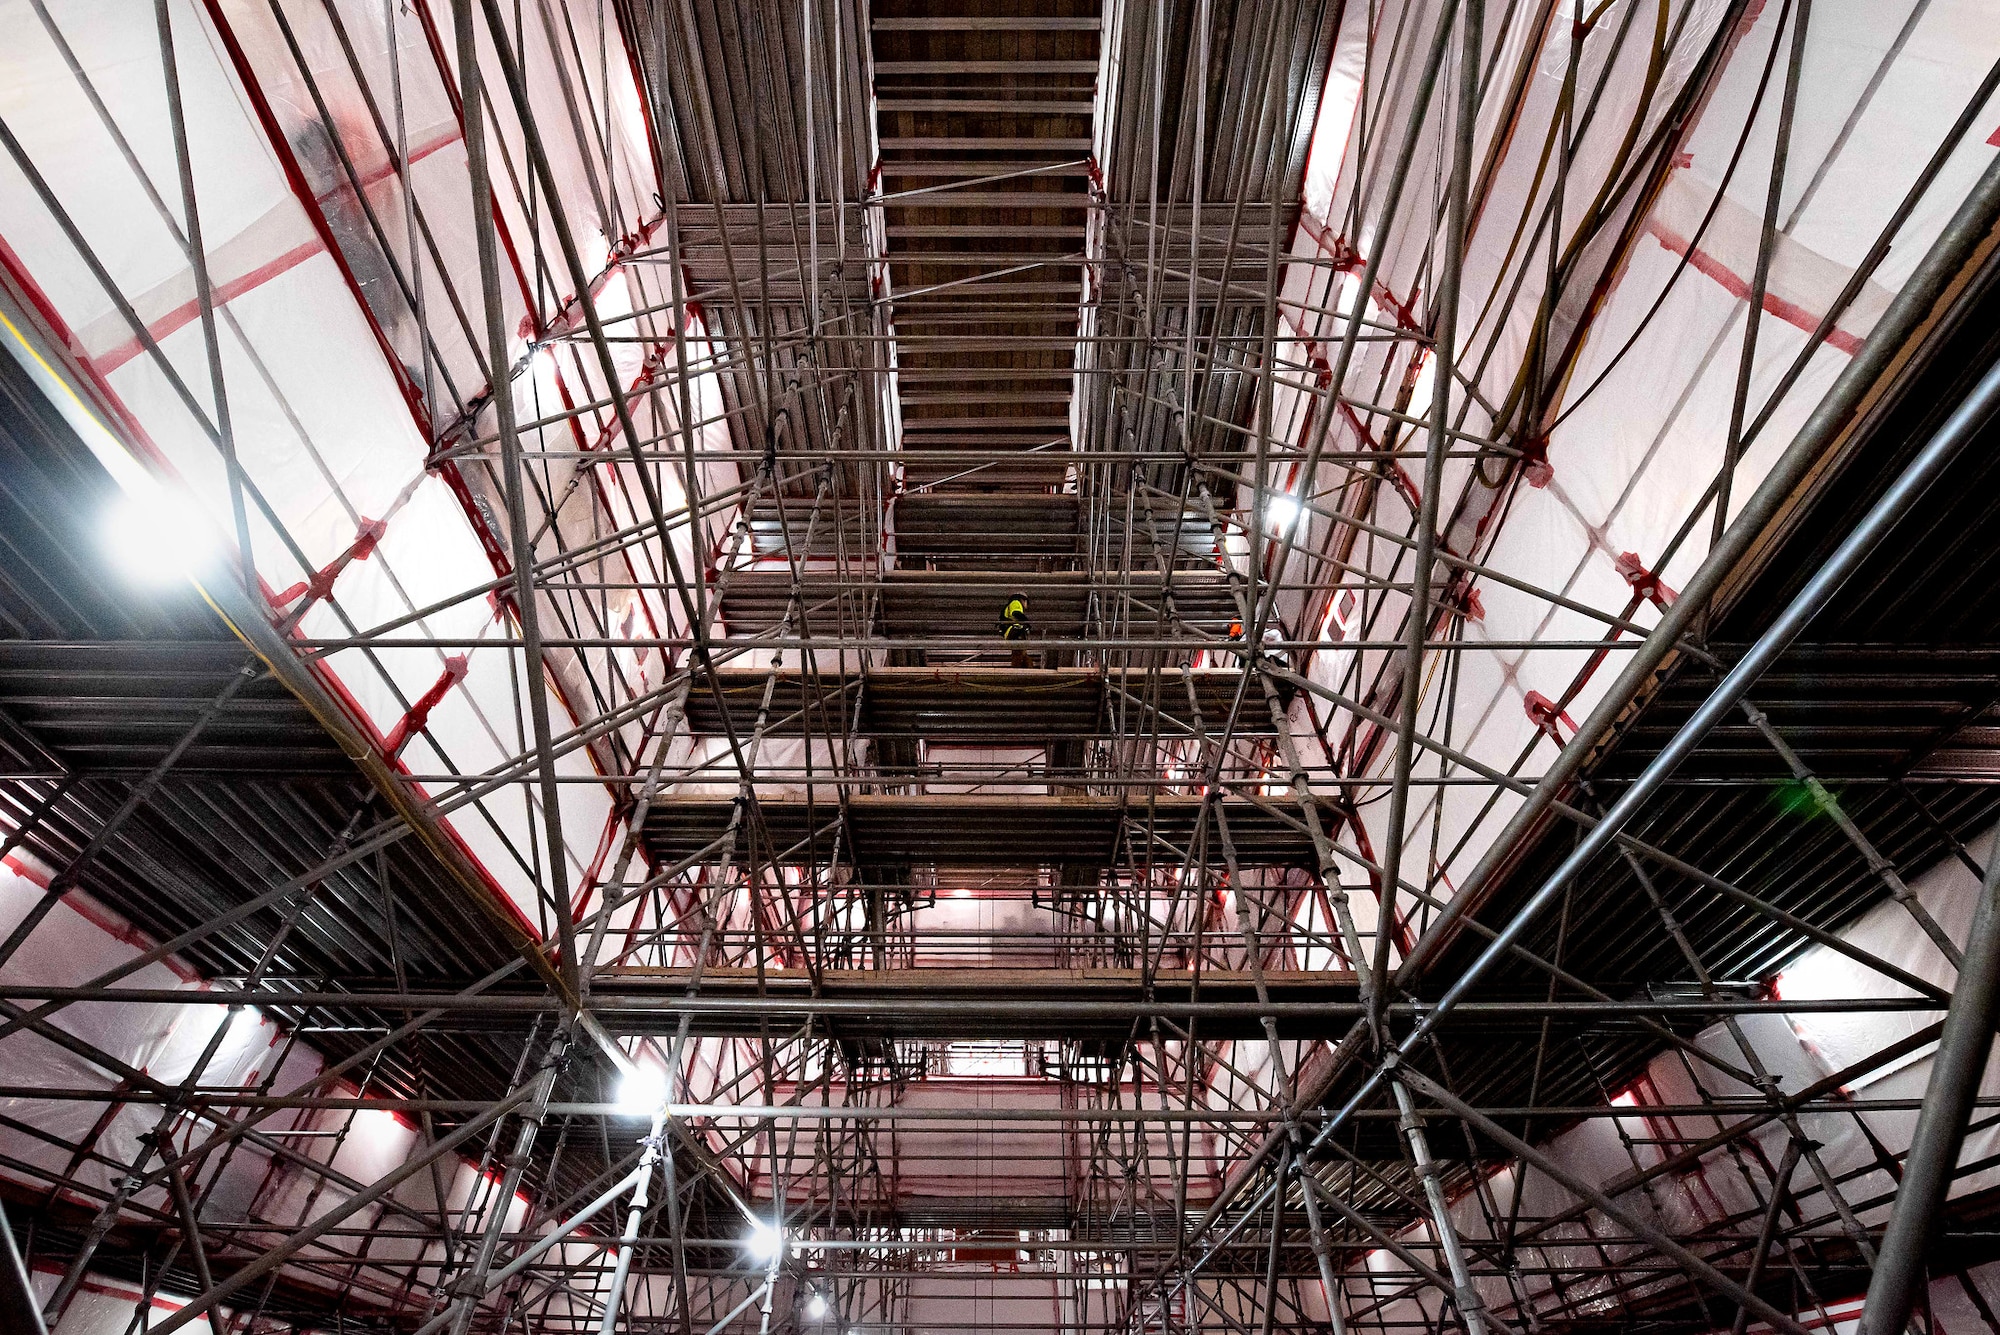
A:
332,175
1616,494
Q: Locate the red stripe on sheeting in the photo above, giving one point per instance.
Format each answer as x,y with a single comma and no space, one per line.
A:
1348,260
141,444
1790,312
188,311
27,871
386,168
119,1292
260,104
455,668
103,919
124,932
10,260
1846,1309
109,403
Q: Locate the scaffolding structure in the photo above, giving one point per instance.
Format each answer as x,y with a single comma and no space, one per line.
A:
1062,665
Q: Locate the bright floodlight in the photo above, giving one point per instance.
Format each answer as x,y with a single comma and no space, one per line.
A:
642,1091
1280,513
816,1306
764,1242
157,538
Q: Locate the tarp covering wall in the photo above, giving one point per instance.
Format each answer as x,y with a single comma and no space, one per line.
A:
353,361
1611,504
1713,1195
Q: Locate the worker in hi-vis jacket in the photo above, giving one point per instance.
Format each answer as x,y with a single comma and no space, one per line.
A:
1014,626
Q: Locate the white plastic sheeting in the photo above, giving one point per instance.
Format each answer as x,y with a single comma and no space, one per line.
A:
104,1306
1636,437
985,1296
160,1041
331,1153
349,320
1718,1193
332,392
